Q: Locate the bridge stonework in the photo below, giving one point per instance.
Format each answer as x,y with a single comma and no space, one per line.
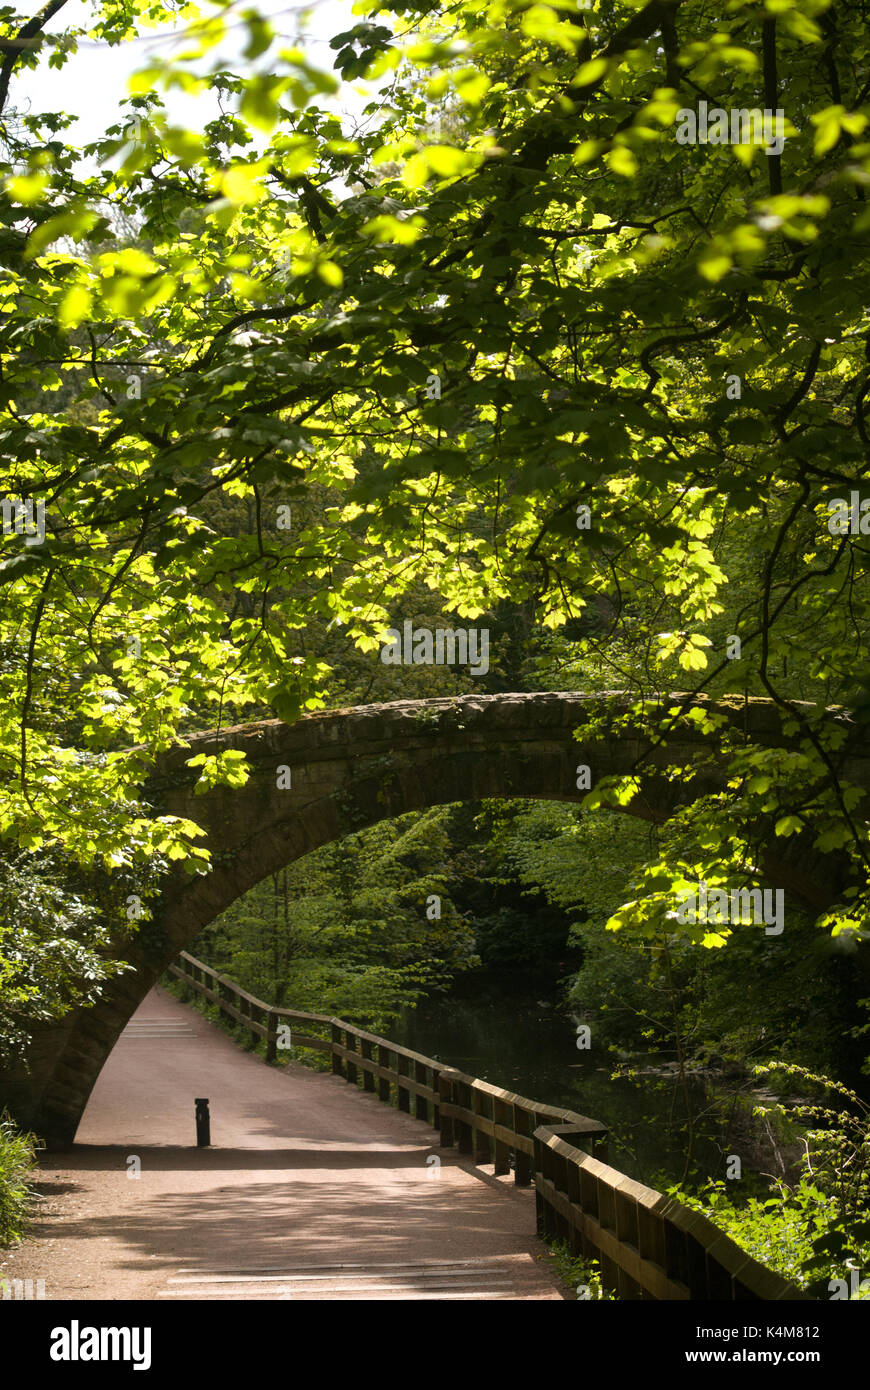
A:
350,768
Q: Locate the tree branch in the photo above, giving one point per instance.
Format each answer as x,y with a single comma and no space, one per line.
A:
15,47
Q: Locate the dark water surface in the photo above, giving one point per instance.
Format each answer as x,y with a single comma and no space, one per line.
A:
493,1028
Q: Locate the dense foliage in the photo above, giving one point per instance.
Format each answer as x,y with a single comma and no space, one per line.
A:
17,1162
347,931
505,349
582,284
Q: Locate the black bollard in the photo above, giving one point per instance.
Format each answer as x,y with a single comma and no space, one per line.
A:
203,1124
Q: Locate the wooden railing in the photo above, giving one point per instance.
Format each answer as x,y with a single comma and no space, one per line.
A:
648,1246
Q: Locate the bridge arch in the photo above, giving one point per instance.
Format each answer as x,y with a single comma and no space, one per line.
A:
347,770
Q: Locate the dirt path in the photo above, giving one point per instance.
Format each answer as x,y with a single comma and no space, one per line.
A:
311,1189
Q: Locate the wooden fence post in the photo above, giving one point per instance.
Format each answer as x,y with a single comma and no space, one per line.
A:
542,1207
421,1104
384,1081
480,1139
501,1114
350,1044
365,1048
337,1060
445,1093
464,1132
523,1162
403,1095
272,1039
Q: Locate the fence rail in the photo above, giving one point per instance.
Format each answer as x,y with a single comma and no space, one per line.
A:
648,1246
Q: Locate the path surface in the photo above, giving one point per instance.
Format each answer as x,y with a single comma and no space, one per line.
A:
311,1189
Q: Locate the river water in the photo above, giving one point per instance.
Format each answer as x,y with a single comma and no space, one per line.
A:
493,1029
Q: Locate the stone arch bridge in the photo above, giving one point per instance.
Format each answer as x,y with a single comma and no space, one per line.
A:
350,768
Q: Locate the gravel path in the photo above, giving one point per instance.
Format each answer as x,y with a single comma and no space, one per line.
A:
311,1189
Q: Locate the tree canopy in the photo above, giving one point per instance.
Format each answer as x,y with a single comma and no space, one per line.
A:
504,340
